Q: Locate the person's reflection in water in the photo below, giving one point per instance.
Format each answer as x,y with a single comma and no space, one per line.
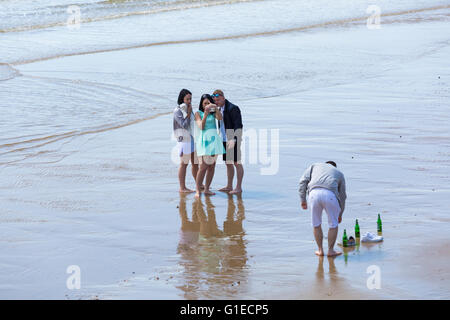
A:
208,223
216,268
233,224
334,283
332,270
320,273
188,246
189,233
236,254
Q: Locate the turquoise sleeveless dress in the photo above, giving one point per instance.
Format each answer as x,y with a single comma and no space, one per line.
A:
208,142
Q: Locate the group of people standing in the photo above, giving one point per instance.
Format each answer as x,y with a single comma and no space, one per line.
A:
214,129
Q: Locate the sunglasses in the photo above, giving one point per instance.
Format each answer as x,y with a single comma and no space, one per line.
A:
216,95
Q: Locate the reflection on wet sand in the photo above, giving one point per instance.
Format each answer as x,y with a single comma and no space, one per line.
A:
214,260
190,229
347,250
332,271
334,279
358,248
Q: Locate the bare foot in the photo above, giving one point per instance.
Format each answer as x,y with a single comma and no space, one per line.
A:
332,253
186,190
209,193
226,189
319,253
197,194
236,191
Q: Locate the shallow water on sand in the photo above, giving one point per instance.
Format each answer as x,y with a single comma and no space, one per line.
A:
86,147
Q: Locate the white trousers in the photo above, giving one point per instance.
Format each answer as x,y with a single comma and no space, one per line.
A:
320,199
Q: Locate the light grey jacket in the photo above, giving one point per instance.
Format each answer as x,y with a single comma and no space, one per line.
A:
182,125
323,175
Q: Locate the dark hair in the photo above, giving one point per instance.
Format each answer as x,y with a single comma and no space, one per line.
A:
332,163
183,93
205,96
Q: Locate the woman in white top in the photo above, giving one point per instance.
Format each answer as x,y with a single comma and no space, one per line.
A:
183,126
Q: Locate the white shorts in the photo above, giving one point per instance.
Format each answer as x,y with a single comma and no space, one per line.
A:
319,199
186,147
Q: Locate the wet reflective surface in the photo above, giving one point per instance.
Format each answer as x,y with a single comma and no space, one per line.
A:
213,256
86,149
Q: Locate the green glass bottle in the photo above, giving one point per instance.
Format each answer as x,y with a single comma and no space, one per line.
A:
379,224
344,239
357,233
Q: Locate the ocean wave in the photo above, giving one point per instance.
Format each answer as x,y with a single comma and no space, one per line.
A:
395,16
56,16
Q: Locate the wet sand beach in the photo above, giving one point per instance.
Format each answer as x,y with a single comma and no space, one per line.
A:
96,189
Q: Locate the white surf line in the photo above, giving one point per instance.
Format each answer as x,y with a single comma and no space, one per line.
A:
127,14
8,72
55,136
231,37
29,156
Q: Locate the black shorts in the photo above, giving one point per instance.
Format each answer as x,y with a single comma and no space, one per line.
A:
232,154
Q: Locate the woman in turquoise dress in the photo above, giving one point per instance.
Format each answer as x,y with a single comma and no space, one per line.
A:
208,142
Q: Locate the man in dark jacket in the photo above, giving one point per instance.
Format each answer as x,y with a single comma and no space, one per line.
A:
231,133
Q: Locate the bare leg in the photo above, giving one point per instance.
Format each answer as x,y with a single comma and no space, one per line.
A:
230,177
182,177
200,176
195,167
240,176
194,171
194,163
318,234
332,235
209,177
